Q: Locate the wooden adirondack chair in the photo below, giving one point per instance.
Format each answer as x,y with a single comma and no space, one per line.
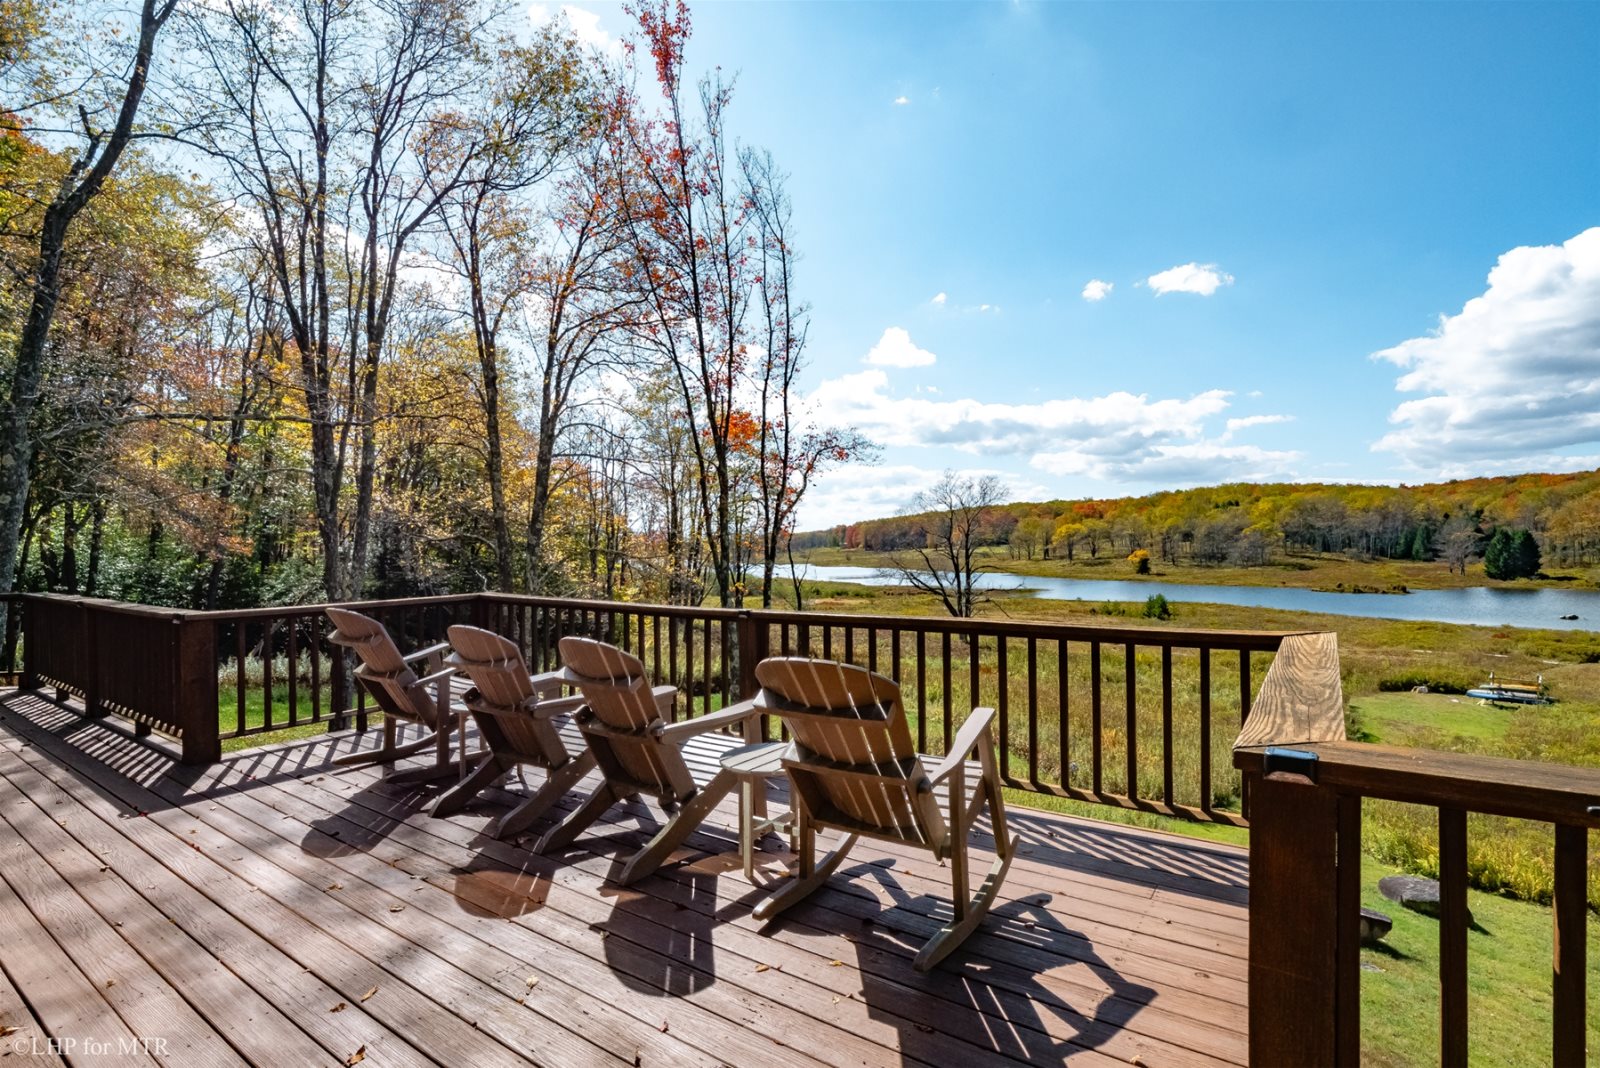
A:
639,752
853,768
518,716
402,695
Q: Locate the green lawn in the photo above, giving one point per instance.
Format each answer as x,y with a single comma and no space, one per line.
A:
1508,979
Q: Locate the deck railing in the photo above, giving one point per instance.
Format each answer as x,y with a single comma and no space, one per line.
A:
1308,783
1136,717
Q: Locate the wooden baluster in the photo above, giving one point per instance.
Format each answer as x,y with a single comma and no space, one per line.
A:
849,645
922,691
266,675
293,659
1166,725
1452,937
1205,729
239,682
827,642
948,705
705,670
727,664
1003,700
316,670
1570,1012
655,646
1062,724
1130,700
1244,714
1033,710
687,689
1094,714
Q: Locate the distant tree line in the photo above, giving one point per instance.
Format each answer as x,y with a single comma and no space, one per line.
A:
1516,524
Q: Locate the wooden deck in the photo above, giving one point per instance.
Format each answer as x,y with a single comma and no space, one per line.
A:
275,910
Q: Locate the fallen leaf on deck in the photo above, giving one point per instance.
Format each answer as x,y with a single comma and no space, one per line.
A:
369,993
663,1027
356,1058
339,1007
533,981
397,908
335,886
7,1029
836,964
762,967
925,1027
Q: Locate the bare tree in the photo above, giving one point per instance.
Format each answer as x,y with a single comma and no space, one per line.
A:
951,516
789,453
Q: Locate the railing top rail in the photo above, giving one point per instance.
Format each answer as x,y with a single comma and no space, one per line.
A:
1247,640
671,610
1254,640
1500,786
230,614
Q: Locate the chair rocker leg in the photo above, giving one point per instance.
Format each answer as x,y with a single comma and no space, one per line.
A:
952,934
388,752
478,780
802,886
556,784
684,821
564,833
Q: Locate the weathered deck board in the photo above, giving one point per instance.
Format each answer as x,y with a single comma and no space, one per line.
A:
255,896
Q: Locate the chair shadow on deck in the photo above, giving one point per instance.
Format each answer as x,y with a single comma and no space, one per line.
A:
988,994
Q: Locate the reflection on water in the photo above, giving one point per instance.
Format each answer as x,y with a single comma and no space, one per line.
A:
1531,607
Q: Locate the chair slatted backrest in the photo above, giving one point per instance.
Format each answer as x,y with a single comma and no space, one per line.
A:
383,671
854,764
620,717
503,687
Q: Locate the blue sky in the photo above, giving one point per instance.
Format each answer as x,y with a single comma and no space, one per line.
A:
1274,193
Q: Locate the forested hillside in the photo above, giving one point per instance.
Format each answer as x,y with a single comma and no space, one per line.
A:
1244,524
385,299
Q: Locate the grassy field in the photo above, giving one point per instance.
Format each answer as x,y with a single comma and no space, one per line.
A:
1318,571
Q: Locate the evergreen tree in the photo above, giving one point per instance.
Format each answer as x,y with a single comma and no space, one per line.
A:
1511,554
1497,555
1525,554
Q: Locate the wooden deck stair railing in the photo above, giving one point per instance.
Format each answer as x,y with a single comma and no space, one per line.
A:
1124,733
1307,782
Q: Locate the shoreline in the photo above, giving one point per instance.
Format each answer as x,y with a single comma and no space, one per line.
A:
1318,573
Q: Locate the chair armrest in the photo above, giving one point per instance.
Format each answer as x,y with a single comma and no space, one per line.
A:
975,729
438,676
421,654
553,706
726,717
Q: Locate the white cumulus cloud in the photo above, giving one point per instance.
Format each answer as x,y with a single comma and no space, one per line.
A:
585,26
1512,381
1244,422
901,101
1097,290
896,349
940,298
1119,436
862,491
1201,278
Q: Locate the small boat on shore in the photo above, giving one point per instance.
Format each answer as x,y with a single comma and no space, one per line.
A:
1514,691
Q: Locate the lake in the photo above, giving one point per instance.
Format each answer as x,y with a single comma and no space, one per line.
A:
1532,607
